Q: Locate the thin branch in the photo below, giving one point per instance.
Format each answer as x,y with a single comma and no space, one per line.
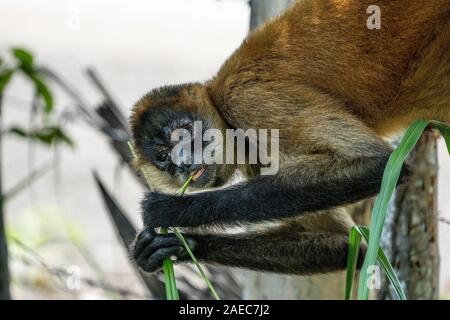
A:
25,182
62,274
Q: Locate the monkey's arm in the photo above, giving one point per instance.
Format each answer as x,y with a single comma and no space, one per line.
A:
348,168
280,250
266,198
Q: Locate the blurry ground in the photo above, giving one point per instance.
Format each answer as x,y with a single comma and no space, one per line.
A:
134,48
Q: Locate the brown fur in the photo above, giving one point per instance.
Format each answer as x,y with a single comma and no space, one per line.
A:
324,47
335,89
319,59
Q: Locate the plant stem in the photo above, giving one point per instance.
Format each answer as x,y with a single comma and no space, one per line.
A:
197,264
169,277
169,273
4,273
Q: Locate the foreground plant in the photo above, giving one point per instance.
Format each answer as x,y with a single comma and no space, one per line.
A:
389,182
45,131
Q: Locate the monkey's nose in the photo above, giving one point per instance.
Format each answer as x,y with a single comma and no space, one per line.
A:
190,168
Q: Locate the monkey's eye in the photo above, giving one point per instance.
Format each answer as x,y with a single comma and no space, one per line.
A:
162,156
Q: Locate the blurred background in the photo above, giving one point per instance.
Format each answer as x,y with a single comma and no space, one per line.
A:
98,58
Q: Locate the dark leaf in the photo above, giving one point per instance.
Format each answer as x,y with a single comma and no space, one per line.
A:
47,135
24,57
51,135
25,60
43,91
5,76
62,136
18,131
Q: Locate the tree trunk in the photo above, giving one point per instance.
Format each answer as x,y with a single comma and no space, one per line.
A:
410,236
263,10
4,274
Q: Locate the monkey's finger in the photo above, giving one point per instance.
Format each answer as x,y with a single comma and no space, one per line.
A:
155,244
148,232
143,240
158,243
156,260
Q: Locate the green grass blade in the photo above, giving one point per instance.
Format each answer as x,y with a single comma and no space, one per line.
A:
389,182
353,252
385,265
169,279
445,131
391,275
356,233
197,264
183,241
185,186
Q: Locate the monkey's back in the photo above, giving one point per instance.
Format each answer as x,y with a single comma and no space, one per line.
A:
379,74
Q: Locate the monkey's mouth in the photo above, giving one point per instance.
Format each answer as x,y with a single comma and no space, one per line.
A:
204,177
198,173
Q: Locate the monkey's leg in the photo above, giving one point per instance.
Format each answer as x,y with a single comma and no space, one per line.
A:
282,250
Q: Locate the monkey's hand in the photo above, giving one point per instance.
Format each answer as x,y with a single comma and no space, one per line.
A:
151,249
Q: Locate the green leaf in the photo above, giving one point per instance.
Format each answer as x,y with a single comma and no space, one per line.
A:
389,182
24,57
196,263
26,64
169,278
356,233
43,91
169,273
47,135
354,244
50,135
64,137
18,131
5,77
385,265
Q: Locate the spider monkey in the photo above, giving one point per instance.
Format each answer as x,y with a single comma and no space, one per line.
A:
336,90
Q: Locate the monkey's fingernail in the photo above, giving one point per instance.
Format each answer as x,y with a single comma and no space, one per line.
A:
198,174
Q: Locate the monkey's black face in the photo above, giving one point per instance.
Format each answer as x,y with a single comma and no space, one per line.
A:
167,142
